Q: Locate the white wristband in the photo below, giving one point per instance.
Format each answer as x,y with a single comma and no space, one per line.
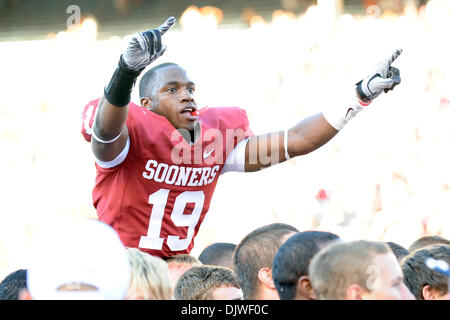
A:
338,117
104,141
285,140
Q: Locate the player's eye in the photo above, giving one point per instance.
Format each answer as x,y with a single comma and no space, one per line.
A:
172,90
191,90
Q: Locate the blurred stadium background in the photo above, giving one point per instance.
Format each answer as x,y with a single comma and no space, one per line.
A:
384,177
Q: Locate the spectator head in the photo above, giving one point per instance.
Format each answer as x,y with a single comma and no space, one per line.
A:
253,258
80,259
218,254
399,251
428,241
424,283
179,264
208,283
150,277
290,265
357,270
13,284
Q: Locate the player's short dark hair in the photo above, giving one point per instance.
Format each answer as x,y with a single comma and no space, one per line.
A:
184,258
399,251
146,84
257,251
13,284
417,275
218,254
292,260
427,241
199,282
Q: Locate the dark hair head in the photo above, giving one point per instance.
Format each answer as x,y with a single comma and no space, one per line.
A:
199,282
417,274
13,284
218,254
147,82
292,260
183,259
398,250
257,251
428,241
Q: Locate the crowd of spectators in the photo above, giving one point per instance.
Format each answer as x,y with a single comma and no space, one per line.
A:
273,262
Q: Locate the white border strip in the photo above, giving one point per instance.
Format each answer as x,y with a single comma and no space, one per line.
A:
285,141
117,160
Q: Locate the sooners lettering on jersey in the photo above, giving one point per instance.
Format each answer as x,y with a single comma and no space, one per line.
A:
157,198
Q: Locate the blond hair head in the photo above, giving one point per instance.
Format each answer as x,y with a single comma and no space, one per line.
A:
150,278
341,264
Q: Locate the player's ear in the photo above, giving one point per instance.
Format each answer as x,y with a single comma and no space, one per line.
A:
265,277
146,103
428,293
354,292
305,289
25,295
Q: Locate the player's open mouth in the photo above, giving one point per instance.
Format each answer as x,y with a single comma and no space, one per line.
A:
191,112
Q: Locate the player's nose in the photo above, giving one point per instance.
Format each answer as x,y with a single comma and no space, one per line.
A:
187,95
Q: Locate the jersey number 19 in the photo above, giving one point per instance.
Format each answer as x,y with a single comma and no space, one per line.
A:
158,199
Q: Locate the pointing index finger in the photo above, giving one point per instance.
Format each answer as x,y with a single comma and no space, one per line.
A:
167,25
395,55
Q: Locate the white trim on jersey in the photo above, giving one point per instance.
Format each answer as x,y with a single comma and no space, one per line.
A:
117,160
104,141
236,159
285,141
87,120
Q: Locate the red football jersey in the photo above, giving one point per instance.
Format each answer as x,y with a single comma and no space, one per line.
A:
157,198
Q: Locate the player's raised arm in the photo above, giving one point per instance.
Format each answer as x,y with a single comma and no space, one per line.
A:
109,132
313,132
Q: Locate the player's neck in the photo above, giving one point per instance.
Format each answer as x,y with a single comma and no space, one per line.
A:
193,135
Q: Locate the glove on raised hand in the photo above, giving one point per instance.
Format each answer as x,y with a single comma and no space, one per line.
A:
145,47
384,78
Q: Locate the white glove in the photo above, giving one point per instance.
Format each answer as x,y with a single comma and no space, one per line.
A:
145,47
384,78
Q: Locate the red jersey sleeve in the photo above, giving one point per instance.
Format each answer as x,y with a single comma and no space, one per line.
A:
87,119
237,120
232,122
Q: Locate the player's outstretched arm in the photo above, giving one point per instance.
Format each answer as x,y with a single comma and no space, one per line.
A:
266,150
313,132
109,131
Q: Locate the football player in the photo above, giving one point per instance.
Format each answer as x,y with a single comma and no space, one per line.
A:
158,163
